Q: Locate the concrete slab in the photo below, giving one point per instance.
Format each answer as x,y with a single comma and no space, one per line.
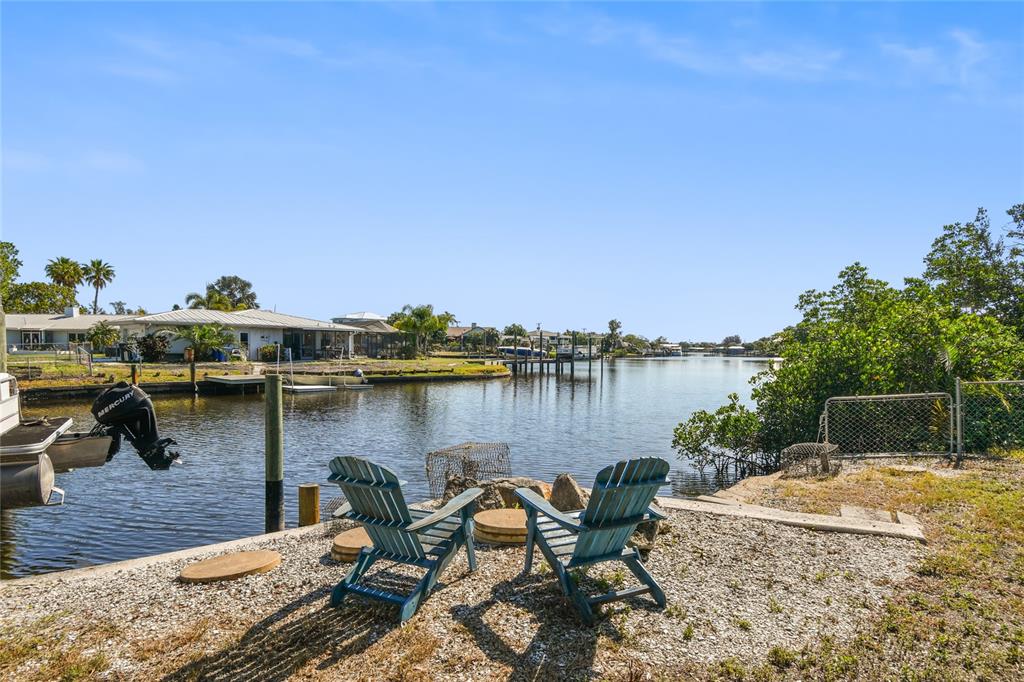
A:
849,511
821,522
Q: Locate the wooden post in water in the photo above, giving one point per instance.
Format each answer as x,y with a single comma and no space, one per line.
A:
572,358
274,440
590,353
135,374
541,366
309,504
192,375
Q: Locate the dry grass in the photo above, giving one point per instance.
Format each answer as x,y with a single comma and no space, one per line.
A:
45,652
962,616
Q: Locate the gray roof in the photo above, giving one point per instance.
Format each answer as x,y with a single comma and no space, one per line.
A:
243,318
47,322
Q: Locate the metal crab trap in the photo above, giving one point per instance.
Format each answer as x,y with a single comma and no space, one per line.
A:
471,460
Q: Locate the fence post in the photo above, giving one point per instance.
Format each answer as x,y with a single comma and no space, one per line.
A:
959,425
274,437
309,504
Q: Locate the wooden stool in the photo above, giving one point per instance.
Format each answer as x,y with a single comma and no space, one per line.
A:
230,566
501,526
347,545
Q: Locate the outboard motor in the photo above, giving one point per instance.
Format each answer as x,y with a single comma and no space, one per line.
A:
126,410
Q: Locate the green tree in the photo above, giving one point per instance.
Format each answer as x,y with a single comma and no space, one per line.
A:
237,290
98,275
102,335
732,340
731,435
65,272
635,343
211,300
206,338
865,337
10,266
515,330
39,297
975,272
420,322
614,338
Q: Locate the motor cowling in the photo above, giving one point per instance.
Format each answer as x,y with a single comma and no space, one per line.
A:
126,411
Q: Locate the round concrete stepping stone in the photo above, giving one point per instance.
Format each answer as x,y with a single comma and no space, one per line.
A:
501,526
347,545
230,566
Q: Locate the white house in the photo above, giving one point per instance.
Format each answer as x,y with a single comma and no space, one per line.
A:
46,331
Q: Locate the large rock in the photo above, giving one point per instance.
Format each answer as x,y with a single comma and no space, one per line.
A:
646,534
499,493
567,495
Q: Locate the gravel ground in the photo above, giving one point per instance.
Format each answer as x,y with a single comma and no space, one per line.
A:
736,587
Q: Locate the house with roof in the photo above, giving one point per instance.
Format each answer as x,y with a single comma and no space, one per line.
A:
307,338
45,331
377,339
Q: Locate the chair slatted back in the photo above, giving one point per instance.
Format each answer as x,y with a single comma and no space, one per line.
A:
375,494
621,491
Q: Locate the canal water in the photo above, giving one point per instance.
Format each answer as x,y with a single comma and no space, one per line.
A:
552,425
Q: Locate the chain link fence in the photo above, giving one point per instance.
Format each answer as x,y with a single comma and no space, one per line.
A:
980,418
909,423
991,417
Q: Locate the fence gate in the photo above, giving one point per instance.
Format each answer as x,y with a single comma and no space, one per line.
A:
990,418
907,423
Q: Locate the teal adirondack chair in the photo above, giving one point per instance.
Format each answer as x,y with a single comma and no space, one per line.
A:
421,538
620,500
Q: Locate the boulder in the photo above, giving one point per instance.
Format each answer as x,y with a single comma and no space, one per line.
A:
499,493
567,495
646,534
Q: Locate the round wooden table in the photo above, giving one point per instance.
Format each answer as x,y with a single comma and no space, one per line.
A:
501,526
230,566
347,545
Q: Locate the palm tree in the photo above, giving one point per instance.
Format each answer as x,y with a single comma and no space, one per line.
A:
205,338
211,300
102,335
65,272
98,274
420,321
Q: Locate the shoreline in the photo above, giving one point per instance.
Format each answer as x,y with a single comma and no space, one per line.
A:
43,394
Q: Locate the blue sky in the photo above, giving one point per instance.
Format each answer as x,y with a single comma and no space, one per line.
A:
686,168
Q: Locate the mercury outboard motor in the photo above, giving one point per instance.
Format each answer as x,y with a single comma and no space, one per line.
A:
126,410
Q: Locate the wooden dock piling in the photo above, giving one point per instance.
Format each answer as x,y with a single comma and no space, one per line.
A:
274,439
309,504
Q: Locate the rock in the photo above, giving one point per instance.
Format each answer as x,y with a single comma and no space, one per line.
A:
499,493
567,495
646,534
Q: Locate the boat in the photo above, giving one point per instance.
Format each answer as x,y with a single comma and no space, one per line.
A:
299,388
32,451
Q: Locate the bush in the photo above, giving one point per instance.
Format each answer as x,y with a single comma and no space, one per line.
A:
268,353
153,347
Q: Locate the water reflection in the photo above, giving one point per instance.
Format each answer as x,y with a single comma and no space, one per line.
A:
552,424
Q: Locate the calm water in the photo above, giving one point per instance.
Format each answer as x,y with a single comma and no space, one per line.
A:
123,510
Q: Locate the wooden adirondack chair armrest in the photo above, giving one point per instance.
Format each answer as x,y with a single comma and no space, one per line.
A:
454,505
538,503
655,514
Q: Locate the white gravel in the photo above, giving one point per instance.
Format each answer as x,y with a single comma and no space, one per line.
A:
742,585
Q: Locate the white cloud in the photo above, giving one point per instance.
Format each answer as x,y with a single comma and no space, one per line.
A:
961,59
140,72
688,53
801,64
282,45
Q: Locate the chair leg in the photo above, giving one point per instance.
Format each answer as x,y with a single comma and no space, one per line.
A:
634,565
579,600
467,528
363,563
412,602
531,529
